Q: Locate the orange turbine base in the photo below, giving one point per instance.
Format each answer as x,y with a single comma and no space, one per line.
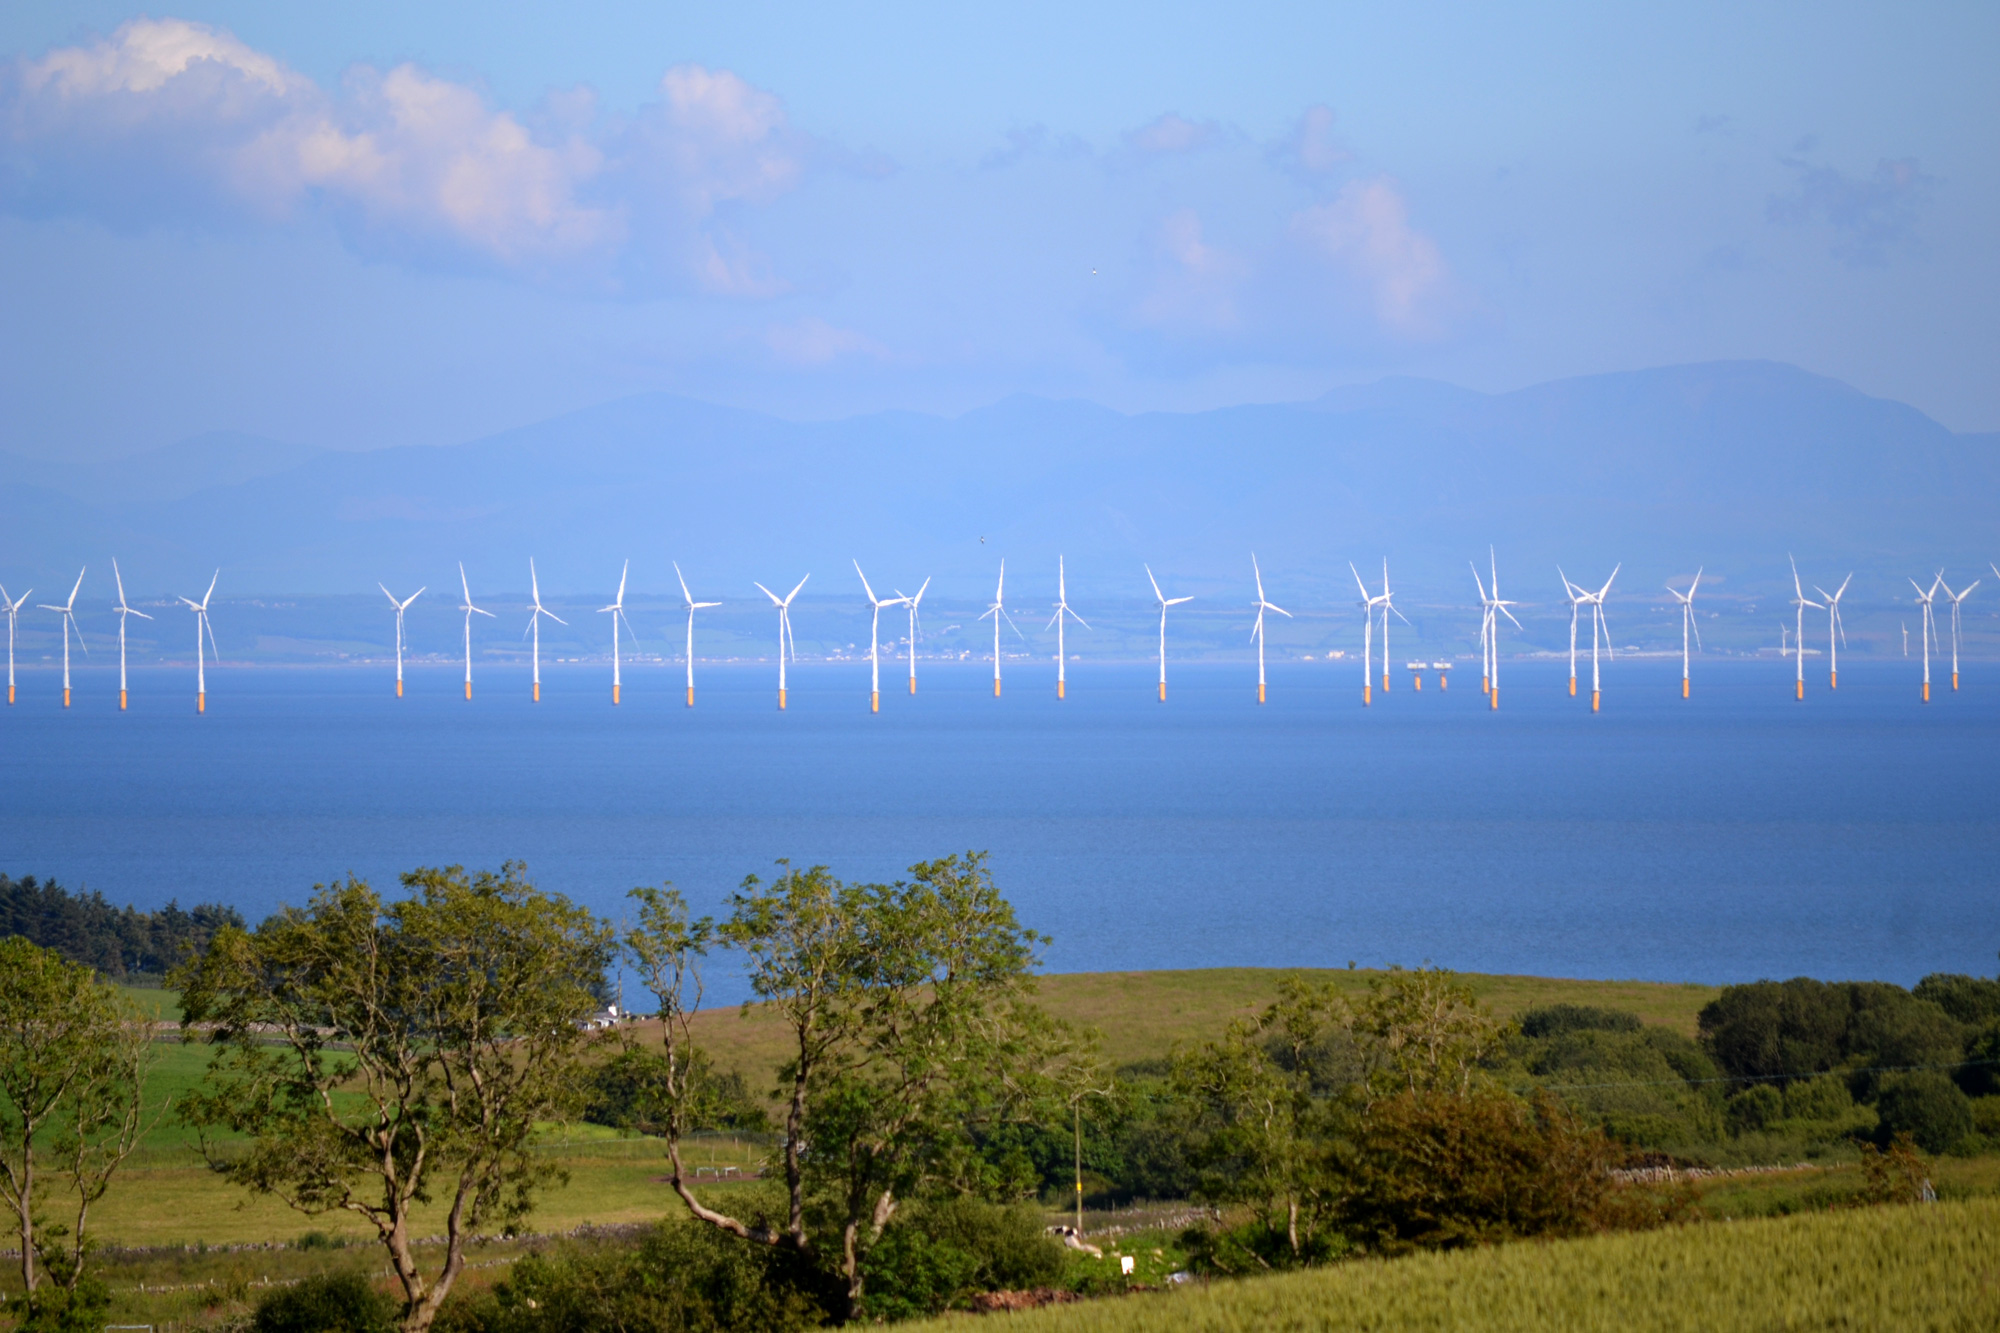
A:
1493,697
1163,691
614,695
1260,691
1059,690
875,701
201,703
1927,691
996,687
1367,696
1954,680
1594,697
65,696
1684,687
399,689
1802,690
781,700
690,696
121,701
468,690
538,691
913,685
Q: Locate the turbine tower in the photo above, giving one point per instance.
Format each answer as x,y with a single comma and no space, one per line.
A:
875,640
1165,602
1686,599
1956,598
1368,604
200,610
785,642
1929,628
471,611
534,631
1062,609
1599,628
999,611
401,607
123,611
693,606
1257,630
1495,608
1388,605
68,610
1836,630
13,606
1577,602
913,601
1801,601
617,612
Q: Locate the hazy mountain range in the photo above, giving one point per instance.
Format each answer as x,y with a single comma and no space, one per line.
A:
1727,465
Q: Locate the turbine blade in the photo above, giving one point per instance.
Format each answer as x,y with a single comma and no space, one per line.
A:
1157,594
686,596
795,591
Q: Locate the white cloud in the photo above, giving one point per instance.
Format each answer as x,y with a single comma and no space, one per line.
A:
168,118
1366,231
812,341
1314,145
1172,134
1196,283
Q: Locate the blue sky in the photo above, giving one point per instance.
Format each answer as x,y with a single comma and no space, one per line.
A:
373,224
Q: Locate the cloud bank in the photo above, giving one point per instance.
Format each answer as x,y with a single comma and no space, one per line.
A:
169,119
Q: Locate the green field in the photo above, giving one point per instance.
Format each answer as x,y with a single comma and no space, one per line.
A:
1143,1014
1934,1267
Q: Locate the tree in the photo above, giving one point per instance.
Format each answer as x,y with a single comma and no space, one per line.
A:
1269,1109
1424,1031
909,1013
381,1055
73,1063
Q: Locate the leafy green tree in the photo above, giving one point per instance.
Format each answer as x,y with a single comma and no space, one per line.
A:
73,1063
1424,1030
384,1054
1927,1107
910,1017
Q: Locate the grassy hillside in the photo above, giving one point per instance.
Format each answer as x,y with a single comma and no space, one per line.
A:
1910,1268
1142,1014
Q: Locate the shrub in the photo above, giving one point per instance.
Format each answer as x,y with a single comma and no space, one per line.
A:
1823,1098
1925,1105
1894,1176
940,1253
1551,1020
1980,1074
1440,1171
1786,1030
1967,999
684,1277
1756,1107
326,1303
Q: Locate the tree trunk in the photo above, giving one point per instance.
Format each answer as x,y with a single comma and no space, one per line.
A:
28,1275
1292,1223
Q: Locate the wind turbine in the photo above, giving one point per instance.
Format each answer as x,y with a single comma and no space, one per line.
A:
693,606
1165,602
1368,604
874,639
1836,630
1929,628
785,641
1599,628
999,611
1686,599
13,613
1801,601
471,611
401,607
123,611
68,610
1387,606
1576,602
617,611
1495,607
1956,598
200,610
913,601
534,630
1257,630
1062,609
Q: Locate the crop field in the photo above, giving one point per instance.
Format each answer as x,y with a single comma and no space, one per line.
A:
1918,1268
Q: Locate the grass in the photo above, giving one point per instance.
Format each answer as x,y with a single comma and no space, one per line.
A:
1142,1015
1917,1268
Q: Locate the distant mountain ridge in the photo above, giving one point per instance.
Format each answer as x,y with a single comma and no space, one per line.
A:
1728,465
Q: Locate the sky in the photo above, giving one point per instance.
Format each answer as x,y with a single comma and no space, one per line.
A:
374,224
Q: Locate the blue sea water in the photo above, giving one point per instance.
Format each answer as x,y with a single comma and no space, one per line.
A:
1736,835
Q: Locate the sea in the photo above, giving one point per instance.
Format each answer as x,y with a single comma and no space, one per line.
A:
1734,835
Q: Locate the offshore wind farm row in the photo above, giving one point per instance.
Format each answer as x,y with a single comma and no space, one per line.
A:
1377,609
